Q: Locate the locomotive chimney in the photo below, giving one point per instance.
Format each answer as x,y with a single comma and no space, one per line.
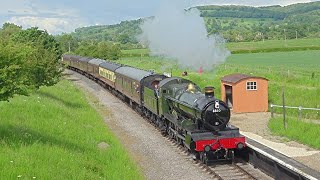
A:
209,91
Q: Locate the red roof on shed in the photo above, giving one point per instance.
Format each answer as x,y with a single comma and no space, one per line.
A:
234,78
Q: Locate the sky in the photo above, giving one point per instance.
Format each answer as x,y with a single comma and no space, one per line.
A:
65,15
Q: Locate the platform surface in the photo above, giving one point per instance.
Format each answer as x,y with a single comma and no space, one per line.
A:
282,154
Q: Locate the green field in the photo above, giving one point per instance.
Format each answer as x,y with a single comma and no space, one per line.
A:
54,134
298,72
274,45
254,47
135,53
304,132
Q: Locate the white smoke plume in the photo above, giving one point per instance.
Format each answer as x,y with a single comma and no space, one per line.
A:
181,34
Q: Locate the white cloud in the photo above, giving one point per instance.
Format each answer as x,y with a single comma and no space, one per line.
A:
52,25
29,13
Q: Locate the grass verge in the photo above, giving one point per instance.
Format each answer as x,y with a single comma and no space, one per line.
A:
303,132
54,134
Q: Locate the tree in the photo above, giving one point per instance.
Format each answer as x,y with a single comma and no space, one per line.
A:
43,63
29,59
7,30
102,50
124,38
13,76
87,48
67,41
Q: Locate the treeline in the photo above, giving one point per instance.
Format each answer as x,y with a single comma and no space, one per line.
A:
29,59
235,23
238,30
102,50
241,23
277,12
240,12
90,48
122,33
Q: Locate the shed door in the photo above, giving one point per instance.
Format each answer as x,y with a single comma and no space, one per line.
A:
229,96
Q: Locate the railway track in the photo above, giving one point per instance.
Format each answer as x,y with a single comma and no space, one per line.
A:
224,170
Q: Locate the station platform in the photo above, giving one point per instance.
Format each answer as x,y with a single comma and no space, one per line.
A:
276,158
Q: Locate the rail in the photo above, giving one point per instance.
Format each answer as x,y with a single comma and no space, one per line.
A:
300,108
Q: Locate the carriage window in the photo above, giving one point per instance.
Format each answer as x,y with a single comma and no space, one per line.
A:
251,85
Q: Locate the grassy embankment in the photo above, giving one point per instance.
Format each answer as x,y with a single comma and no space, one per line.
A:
298,72
301,131
54,134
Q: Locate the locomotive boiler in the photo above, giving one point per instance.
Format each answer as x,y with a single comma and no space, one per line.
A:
186,100
207,111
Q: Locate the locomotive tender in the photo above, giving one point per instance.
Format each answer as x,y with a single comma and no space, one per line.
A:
177,106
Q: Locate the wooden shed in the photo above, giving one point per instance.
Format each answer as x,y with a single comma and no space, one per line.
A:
245,93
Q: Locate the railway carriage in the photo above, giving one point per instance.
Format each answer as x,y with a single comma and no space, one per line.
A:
150,94
79,63
66,60
128,82
74,62
93,67
107,72
83,63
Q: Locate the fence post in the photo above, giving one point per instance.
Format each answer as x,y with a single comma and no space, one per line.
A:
272,111
284,110
300,112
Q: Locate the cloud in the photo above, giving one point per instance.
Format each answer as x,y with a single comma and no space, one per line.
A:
52,25
53,18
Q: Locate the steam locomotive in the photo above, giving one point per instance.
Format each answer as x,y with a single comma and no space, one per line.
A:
175,105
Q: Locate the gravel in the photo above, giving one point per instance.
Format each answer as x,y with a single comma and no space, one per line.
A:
157,157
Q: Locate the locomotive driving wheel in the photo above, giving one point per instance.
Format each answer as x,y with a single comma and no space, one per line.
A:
204,158
164,128
230,155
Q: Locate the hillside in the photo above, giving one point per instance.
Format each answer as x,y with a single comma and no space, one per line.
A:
123,32
235,23
242,23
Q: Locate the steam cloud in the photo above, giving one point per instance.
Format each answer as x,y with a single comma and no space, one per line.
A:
181,34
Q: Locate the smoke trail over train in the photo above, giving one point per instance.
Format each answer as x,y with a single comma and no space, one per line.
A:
181,34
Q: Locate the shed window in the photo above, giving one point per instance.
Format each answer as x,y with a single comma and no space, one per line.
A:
251,85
